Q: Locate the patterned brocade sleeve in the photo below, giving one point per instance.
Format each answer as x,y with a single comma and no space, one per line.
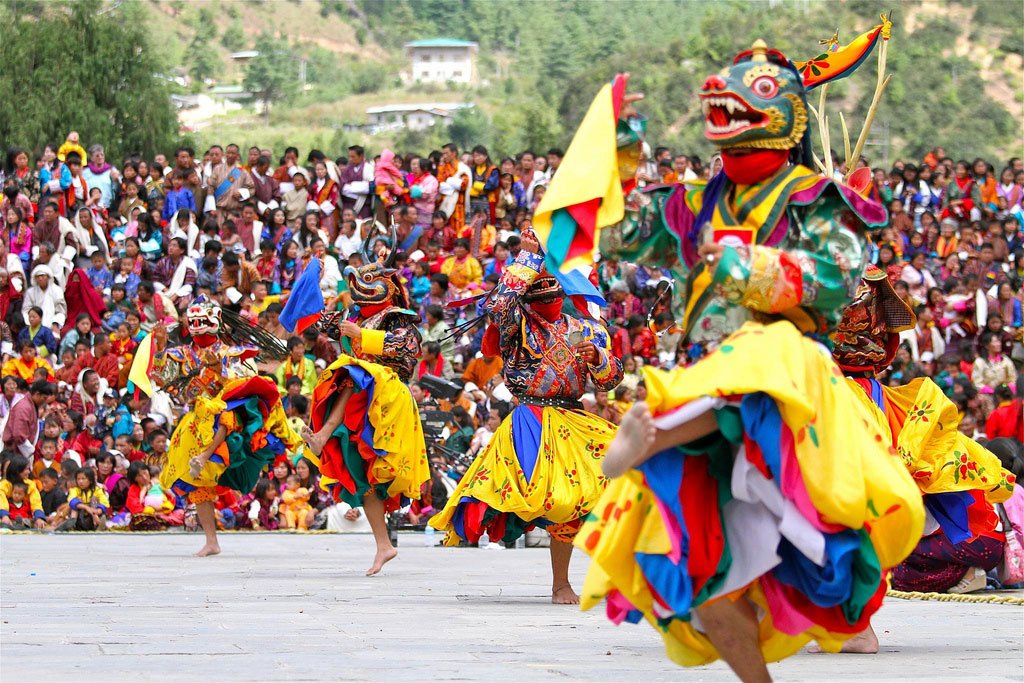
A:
399,339
607,372
503,306
816,270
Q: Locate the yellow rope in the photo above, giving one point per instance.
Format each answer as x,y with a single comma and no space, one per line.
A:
956,597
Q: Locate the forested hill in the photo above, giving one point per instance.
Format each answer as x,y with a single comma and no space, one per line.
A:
957,67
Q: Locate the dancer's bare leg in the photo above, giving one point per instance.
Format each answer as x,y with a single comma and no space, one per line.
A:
638,439
207,514
316,440
561,590
732,629
864,643
374,508
196,464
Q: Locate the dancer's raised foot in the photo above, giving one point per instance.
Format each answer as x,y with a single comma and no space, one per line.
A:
632,441
315,440
208,549
564,595
380,559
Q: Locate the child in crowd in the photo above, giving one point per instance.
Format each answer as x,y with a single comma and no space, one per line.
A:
295,507
127,278
121,343
18,508
420,283
46,457
88,502
179,197
263,508
131,200
52,497
279,474
98,273
292,390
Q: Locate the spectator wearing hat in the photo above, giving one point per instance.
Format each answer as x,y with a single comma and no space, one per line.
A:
47,297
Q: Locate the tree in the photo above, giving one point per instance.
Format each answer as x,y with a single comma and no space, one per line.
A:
234,37
272,75
203,60
102,84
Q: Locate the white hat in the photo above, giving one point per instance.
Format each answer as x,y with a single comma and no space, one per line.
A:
42,269
501,393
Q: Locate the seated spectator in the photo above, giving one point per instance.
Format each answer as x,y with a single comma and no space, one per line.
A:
433,363
88,502
297,365
51,496
463,433
992,367
482,369
42,337
26,363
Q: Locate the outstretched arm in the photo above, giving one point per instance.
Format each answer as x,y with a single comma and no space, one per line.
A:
503,307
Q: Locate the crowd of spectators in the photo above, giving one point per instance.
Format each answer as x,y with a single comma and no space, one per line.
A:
93,256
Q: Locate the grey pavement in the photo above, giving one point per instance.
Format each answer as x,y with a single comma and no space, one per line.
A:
115,607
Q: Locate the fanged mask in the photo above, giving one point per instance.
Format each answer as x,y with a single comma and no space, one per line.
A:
375,284
203,317
757,103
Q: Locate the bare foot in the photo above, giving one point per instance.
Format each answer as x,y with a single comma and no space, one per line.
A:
564,595
196,465
633,439
208,550
315,441
864,643
380,559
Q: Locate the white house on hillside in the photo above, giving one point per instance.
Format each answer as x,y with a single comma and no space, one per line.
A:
411,116
440,60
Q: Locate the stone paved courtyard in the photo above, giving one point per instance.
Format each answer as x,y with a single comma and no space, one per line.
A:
117,607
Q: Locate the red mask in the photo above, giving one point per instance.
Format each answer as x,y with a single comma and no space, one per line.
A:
549,310
758,165
203,340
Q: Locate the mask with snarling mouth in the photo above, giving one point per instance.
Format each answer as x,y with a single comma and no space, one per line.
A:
757,103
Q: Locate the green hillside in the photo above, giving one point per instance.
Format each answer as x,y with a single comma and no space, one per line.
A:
957,66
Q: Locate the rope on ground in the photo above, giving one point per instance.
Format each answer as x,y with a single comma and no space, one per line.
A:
956,597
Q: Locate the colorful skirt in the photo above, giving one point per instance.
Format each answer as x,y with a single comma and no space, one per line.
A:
959,479
541,468
258,432
379,445
797,504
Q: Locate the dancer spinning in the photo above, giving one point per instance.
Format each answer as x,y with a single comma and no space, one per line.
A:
756,504
542,465
958,478
365,424
234,426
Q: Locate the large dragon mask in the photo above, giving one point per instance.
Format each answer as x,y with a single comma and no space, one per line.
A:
376,282
759,102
